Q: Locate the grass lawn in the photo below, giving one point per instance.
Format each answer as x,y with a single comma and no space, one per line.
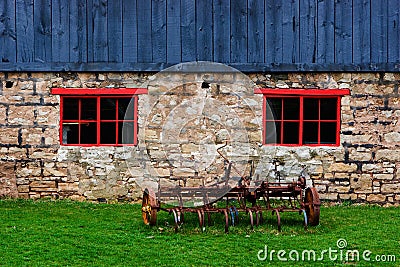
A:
43,233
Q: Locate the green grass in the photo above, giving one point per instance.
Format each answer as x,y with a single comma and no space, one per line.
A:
55,233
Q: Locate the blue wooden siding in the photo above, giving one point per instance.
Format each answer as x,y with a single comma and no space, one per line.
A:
149,35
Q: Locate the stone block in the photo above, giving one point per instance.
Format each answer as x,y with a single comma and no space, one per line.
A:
383,176
23,189
68,186
43,184
23,195
342,167
47,115
328,196
376,198
373,168
3,115
189,148
32,136
393,137
54,171
348,196
162,172
361,183
151,135
8,182
9,136
338,189
321,188
183,172
77,198
392,155
390,188
394,102
43,87
21,115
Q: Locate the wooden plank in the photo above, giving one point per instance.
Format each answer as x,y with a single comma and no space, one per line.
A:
145,42
188,30
174,51
361,31
100,31
222,30
114,29
290,31
42,28
256,31
77,36
308,31
239,32
343,31
159,30
129,22
379,30
394,31
273,31
8,45
60,32
204,27
90,43
325,32
24,29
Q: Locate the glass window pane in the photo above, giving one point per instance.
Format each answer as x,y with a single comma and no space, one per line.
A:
126,133
291,133
310,133
328,132
275,106
291,108
273,133
107,108
89,133
70,108
328,108
310,108
70,133
88,109
126,108
107,133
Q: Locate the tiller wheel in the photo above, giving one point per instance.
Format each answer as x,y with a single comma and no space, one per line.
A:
149,207
312,206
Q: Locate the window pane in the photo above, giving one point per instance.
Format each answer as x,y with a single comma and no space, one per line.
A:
291,133
328,132
275,106
70,133
310,133
107,108
291,108
70,108
88,133
328,108
125,108
88,108
310,108
273,133
126,133
107,133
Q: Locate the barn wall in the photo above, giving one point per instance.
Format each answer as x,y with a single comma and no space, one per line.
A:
365,167
252,35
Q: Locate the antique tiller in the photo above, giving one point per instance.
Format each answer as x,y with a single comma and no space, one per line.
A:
253,197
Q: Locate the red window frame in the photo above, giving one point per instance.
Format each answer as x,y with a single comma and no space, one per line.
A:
302,94
98,94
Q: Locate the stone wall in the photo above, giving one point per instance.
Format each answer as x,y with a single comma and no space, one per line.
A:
33,164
